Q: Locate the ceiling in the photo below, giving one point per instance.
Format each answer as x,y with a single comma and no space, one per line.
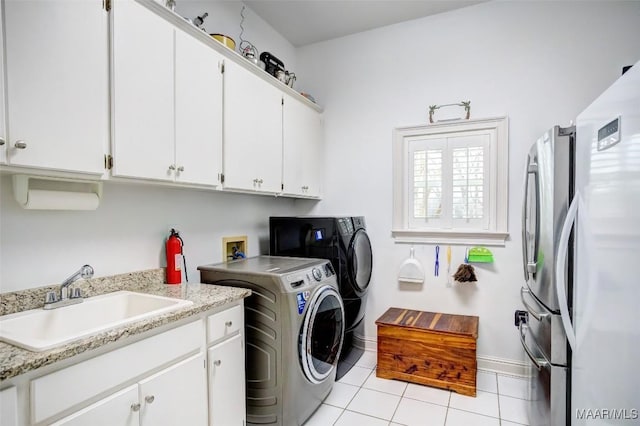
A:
304,22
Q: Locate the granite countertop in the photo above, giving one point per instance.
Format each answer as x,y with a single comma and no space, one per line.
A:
16,361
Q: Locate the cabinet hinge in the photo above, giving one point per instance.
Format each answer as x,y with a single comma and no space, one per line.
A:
222,67
106,5
282,103
221,177
108,162
282,186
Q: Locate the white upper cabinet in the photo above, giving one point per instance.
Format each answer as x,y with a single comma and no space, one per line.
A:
252,131
167,108
143,75
302,148
57,88
198,111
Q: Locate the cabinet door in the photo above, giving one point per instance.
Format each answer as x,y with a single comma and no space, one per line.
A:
227,383
57,64
302,147
198,111
3,132
175,396
118,409
9,407
252,131
143,88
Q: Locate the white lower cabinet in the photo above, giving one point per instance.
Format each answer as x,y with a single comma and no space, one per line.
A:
9,407
225,339
192,374
176,395
116,409
227,383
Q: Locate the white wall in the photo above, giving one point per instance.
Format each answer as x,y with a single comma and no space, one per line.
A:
540,63
127,232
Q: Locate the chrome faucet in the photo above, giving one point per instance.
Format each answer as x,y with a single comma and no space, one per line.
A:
53,300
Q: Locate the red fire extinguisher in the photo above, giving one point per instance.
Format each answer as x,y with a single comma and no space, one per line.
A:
175,258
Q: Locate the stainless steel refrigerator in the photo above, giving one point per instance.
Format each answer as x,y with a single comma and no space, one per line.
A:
581,245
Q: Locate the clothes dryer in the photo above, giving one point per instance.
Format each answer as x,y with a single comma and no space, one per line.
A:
294,329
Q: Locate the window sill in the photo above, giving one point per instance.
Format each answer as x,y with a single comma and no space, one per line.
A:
449,237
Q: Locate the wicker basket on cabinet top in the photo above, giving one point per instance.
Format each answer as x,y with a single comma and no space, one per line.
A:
428,348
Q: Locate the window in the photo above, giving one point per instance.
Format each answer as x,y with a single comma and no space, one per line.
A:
450,182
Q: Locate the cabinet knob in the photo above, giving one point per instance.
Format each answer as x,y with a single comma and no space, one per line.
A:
20,144
260,181
172,167
217,362
2,141
228,323
181,169
149,399
135,407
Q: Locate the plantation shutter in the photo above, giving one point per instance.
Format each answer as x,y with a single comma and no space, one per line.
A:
448,182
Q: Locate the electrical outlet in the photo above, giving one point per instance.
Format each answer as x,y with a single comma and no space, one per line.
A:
520,317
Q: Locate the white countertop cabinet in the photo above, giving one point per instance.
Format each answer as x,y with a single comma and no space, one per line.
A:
175,395
302,149
167,100
115,409
191,373
57,85
226,358
9,407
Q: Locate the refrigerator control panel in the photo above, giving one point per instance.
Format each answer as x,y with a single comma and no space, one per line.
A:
609,134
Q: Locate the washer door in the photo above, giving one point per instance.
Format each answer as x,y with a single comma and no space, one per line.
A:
322,334
360,261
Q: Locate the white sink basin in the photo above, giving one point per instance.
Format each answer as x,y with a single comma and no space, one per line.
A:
39,330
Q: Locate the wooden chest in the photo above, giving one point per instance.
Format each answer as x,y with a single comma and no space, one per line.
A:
428,348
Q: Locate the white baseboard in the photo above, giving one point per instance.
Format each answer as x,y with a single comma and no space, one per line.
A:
509,367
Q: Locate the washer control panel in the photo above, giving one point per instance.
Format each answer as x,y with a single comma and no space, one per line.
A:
317,274
304,277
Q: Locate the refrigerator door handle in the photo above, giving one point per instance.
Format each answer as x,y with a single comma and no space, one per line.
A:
529,267
539,363
537,315
561,263
525,188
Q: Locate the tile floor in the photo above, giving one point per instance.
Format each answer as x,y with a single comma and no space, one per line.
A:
360,398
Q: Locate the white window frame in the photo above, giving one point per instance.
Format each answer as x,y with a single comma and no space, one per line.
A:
493,233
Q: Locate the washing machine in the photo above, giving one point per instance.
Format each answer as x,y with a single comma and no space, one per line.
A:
344,242
294,330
